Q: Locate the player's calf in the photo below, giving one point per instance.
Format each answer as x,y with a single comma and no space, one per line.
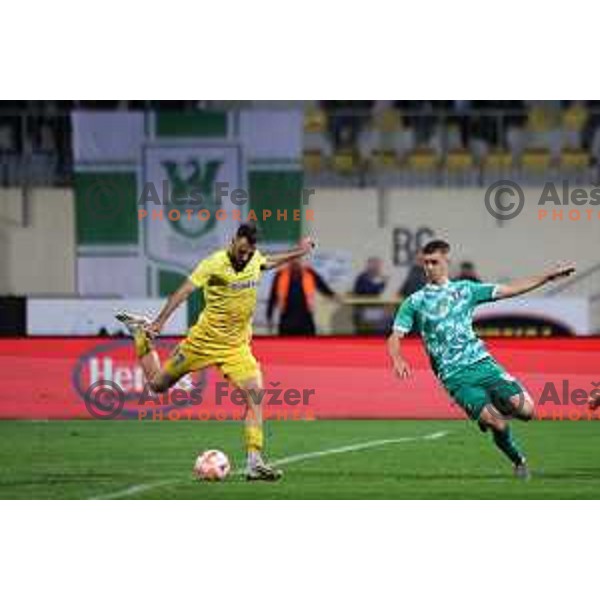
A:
256,469
499,425
157,379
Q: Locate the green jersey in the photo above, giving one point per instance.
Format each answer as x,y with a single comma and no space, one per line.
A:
443,316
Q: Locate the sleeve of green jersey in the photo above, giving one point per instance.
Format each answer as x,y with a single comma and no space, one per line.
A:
483,292
405,317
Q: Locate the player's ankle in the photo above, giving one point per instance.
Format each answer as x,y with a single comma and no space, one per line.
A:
254,459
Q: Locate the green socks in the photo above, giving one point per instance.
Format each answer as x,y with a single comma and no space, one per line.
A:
504,441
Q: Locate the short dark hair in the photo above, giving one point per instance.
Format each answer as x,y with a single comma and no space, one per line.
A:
248,231
436,246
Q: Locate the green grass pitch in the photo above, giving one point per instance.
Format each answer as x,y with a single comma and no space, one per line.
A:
133,459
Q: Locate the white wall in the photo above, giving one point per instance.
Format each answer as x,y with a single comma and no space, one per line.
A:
39,258
525,245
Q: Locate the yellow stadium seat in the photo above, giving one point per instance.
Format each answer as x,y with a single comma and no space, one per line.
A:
313,161
574,160
542,118
385,159
315,120
422,160
459,160
574,117
536,159
344,162
498,160
387,121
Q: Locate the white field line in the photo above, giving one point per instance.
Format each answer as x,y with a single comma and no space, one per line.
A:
143,487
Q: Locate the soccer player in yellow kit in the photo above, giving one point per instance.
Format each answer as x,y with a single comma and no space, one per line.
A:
221,337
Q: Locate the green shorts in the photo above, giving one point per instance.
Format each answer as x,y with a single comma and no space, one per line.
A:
482,383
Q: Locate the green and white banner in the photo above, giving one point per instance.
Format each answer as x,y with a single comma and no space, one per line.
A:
130,162
182,215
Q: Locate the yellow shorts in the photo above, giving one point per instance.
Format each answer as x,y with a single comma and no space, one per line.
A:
237,364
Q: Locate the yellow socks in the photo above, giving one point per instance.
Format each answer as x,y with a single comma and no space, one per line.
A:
254,438
142,343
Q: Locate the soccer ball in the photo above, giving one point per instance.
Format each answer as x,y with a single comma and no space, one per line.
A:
212,465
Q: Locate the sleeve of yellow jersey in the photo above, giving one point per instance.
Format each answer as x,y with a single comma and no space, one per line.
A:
262,260
202,272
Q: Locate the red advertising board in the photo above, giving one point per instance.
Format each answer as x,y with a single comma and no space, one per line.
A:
305,378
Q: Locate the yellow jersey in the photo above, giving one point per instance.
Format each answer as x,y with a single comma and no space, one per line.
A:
229,300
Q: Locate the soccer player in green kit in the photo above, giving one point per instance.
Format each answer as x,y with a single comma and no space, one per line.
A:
442,312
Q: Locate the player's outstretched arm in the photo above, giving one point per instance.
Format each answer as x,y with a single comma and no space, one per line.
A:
528,284
276,260
171,305
400,366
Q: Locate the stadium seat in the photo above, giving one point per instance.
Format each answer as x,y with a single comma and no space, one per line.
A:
387,120
543,117
422,160
536,160
345,162
459,160
313,161
446,139
317,147
574,160
315,120
384,159
574,119
498,161
544,135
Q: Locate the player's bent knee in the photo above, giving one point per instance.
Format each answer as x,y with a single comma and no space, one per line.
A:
523,406
528,412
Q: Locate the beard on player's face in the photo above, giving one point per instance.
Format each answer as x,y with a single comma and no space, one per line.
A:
240,253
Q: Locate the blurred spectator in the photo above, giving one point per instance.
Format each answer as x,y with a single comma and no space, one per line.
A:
574,118
345,119
493,119
293,294
420,116
592,124
468,272
346,140
415,279
460,116
371,282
